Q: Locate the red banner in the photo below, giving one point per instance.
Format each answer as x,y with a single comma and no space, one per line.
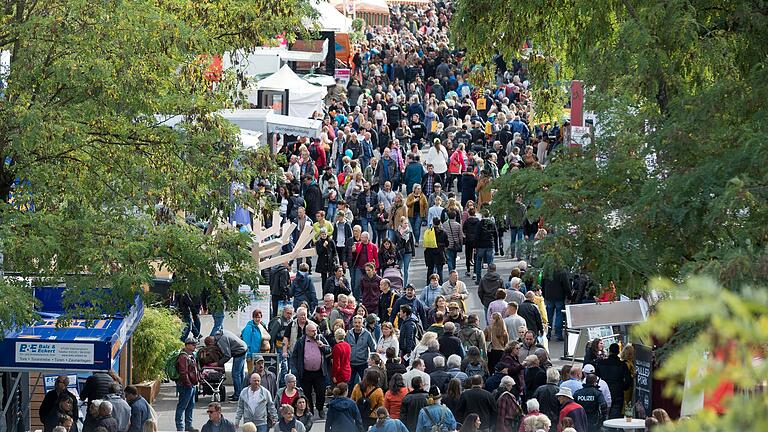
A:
577,103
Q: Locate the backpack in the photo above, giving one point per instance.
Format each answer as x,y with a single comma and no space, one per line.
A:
364,404
437,426
473,370
419,332
171,365
430,240
488,228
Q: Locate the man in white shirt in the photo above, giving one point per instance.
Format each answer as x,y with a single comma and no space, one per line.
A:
513,321
417,370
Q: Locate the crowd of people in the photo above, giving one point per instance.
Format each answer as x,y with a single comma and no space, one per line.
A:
405,164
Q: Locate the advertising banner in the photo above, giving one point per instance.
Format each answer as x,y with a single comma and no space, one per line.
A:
54,353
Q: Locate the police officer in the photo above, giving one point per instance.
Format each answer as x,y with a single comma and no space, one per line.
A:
591,398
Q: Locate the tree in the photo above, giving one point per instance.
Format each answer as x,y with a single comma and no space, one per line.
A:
675,184
730,349
93,186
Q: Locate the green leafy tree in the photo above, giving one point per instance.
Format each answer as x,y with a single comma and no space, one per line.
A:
736,325
92,184
675,183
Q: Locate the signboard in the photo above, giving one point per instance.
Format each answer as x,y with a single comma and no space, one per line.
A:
343,48
644,379
343,75
54,353
603,332
587,315
257,299
50,384
580,136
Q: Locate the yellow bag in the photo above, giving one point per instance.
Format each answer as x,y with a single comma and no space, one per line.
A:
430,241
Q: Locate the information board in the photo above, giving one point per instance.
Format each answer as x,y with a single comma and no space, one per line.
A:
603,332
644,379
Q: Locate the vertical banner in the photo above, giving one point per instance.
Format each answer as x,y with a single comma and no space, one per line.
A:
577,103
342,47
643,380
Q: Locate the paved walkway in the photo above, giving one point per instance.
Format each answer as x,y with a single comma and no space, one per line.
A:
166,403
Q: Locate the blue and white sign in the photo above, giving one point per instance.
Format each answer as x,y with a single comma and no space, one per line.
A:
54,353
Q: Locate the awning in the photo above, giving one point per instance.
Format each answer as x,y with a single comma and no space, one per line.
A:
288,125
44,347
305,56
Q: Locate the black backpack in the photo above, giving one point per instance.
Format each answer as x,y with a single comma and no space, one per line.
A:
364,404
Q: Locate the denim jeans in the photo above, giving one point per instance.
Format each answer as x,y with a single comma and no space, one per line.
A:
238,375
484,255
416,227
218,321
192,324
516,235
365,223
184,407
331,213
555,314
404,266
357,374
356,275
451,258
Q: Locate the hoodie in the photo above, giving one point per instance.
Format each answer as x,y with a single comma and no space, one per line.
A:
302,289
343,415
488,286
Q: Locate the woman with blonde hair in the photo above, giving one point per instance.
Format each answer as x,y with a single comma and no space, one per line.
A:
423,345
497,335
388,339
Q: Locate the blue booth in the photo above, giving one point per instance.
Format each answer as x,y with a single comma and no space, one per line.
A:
79,348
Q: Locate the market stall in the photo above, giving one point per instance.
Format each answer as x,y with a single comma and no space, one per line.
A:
34,354
288,94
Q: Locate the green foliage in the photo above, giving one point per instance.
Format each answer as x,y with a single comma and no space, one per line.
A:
81,144
733,322
675,183
155,337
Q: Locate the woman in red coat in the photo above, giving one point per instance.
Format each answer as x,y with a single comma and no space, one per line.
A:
341,369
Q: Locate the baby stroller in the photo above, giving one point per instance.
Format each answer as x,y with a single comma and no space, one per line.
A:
212,383
395,277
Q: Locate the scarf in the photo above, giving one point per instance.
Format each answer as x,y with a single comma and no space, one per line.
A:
286,427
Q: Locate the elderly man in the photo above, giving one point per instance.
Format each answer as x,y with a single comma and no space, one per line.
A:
139,409
569,408
509,409
256,406
268,379
309,365
546,395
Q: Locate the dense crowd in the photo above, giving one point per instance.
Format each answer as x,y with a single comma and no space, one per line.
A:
404,164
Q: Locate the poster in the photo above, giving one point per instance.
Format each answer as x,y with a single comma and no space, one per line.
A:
54,352
343,75
342,47
580,136
50,384
604,332
644,379
259,299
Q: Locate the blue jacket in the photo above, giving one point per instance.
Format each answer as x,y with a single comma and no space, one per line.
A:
343,415
390,425
417,307
413,174
303,289
361,346
139,414
408,335
251,335
441,415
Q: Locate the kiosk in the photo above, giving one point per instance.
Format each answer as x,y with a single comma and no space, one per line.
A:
31,355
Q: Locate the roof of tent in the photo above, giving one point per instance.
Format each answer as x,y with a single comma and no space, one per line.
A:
363,6
329,18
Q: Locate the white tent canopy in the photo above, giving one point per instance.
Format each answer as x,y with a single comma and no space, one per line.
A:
329,18
303,98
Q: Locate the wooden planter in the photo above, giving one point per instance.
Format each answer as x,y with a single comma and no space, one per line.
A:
149,390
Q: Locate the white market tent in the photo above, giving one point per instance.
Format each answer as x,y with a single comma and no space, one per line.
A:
303,98
329,19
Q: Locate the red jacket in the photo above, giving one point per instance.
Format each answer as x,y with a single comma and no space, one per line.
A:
188,375
341,369
373,254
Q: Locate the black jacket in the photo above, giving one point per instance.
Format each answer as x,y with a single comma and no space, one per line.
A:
555,287
486,232
411,406
393,368
489,283
480,402
548,403
386,301
297,356
470,228
530,313
50,404
326,255
534,378
439,377
593,402
450,344
616,374
279,280
96,386
314,199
